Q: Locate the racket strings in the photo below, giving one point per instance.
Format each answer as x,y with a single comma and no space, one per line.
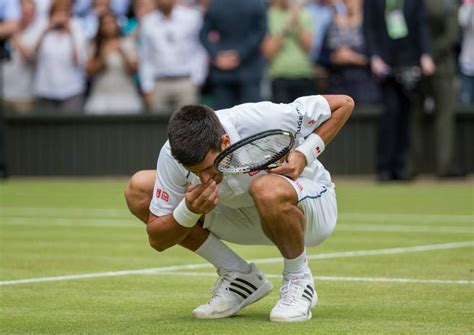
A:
256,153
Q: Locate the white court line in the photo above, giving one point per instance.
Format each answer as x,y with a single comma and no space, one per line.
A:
405,228
357,253
131,223
121,213
332,278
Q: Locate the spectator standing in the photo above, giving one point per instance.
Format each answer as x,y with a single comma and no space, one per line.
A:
232,33
61,54
398,41
344,55
466,59
169,44
287,47
322,12
9,21
438,89
112,66
18,71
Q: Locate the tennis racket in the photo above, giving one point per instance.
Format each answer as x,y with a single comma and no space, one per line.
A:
261,151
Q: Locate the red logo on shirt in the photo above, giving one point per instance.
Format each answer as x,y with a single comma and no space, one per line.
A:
165,196
311,122
318,150
158,193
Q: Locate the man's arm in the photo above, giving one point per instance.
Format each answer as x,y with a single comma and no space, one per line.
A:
169,230
341,107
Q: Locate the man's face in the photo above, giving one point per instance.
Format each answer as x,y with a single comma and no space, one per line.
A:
206,170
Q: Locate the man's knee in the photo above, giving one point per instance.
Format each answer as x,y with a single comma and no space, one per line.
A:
271,190
139,192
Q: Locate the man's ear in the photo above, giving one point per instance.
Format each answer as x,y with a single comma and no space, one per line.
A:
225,141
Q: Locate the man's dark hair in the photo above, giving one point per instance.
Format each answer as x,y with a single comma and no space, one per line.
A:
193,131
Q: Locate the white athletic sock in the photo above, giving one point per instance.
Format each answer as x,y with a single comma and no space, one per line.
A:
221,256
296,265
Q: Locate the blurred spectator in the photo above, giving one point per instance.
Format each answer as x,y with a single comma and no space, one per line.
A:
398,41
112,66
9,21
438,94
60,56
344,54
42,9
466,59
141,8
322,12
287,46
232,33
168,52
90,22
18,70
84,7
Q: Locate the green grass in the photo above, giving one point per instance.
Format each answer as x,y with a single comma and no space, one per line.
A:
67,227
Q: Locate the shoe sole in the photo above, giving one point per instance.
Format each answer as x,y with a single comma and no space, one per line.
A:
260,293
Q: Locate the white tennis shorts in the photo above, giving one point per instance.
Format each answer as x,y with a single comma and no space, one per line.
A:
242,225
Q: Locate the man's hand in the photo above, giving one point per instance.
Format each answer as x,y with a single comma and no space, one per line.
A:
292,167
227,60
202,198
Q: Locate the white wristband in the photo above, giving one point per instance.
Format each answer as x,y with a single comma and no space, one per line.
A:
311,148
184,216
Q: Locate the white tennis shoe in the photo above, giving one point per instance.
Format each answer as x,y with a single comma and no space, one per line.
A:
297,297
232,292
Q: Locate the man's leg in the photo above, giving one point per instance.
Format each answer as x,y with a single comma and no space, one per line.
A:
284,223
233,270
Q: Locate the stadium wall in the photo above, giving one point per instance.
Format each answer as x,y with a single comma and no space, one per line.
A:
107,145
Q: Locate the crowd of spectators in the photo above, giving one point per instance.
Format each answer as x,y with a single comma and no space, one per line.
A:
128,56
135,56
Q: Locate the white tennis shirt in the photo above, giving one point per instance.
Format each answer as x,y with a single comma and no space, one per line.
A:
301,117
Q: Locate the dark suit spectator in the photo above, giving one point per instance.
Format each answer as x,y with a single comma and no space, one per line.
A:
287,47
398,43
232,33
344,55
466,58
438,93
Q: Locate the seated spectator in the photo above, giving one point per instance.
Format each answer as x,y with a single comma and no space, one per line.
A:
18,70
112,67
169,45
287,47
60,56
343,54
466,59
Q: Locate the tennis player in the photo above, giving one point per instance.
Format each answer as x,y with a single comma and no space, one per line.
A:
187,202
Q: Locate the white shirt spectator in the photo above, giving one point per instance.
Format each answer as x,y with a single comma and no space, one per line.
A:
18,72
170,47
113,90
57,76
10,10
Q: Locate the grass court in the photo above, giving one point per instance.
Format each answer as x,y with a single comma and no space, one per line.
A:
73,260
